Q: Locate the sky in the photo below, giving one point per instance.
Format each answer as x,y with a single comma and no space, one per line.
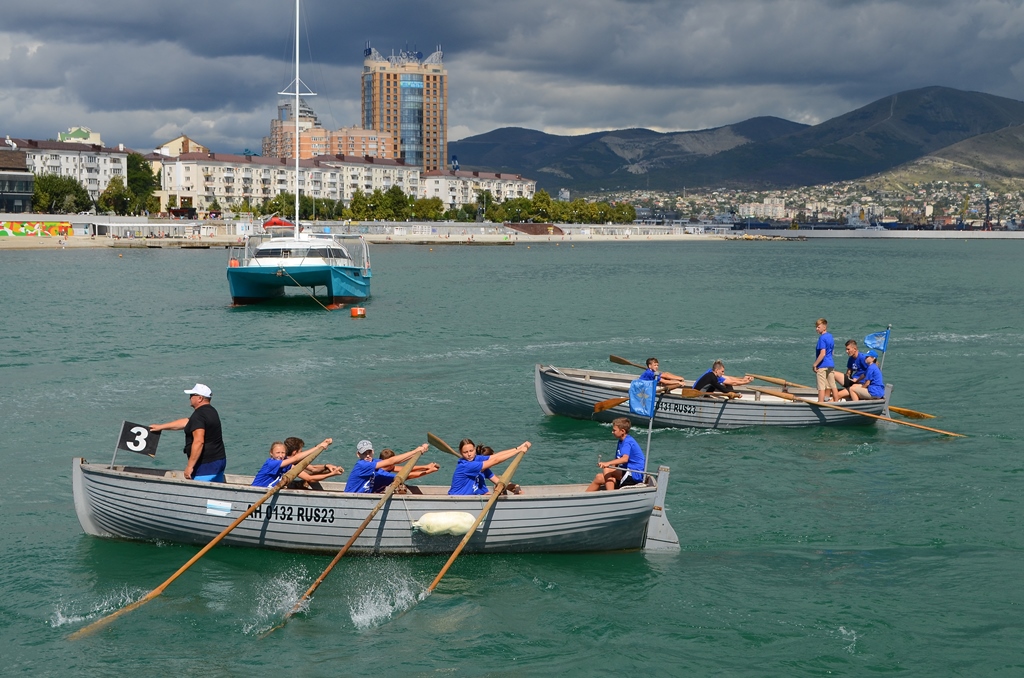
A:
141,73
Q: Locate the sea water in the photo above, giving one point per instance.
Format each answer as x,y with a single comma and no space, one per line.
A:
816,551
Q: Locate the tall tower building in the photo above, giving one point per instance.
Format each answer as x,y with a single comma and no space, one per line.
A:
406,95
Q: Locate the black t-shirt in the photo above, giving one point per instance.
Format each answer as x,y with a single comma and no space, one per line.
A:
205,417
709,382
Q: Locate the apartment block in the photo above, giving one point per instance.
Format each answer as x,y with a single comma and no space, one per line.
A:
456,188
91,164
406,95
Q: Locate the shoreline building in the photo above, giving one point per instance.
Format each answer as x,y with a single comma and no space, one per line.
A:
198,179
456,188
92,165
315,140
17,183
406,95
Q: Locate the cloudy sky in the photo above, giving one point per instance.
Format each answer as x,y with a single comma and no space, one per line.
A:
140,72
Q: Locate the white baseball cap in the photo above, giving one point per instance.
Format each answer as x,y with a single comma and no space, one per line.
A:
200,390
364,446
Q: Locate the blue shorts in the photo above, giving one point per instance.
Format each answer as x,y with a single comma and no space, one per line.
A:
211,472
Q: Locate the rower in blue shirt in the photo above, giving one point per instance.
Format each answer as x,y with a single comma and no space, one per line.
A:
856,366
666,379
360,479
471,469
874,384
624,470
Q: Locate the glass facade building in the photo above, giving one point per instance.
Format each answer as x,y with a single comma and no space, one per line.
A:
405,95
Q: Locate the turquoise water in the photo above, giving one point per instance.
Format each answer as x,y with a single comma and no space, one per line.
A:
843,551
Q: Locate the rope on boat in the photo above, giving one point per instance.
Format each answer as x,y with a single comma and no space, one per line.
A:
311,295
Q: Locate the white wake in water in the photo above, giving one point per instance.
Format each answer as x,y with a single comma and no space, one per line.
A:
275,598
71,613
387,594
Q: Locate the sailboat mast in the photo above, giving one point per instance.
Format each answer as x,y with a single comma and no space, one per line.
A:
295,113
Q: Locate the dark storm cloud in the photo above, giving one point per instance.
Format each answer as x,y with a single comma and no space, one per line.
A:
142,72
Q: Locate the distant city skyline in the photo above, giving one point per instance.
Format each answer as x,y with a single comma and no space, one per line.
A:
141,74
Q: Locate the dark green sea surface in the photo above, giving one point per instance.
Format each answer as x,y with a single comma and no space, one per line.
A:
850,551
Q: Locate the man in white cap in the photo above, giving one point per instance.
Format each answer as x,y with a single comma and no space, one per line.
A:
360,478
204,444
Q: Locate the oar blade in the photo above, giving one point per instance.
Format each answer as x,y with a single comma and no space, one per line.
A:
440,444
622,361
910,414
608,404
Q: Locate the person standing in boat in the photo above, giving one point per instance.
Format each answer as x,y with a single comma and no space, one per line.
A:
280,462
204,442
472,470
666,379
824,365
360,479
856,367
715,379
628,453
873,387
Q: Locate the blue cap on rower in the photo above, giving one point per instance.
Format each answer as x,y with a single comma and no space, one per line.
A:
364,446
872,354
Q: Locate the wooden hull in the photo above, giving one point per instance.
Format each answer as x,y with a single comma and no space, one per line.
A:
573,393
154,504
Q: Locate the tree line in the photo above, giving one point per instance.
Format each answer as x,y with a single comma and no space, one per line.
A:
394,205
57,194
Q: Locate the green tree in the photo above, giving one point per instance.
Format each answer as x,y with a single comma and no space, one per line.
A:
359,206
517,210
541,206
141,181
116,198
53,193
427,209
394,204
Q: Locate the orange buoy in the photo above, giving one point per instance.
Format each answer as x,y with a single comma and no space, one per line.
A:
232,263
358,312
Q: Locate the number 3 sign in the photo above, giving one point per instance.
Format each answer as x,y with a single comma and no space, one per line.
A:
138,438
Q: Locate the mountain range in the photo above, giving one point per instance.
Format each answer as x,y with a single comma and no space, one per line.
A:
965,132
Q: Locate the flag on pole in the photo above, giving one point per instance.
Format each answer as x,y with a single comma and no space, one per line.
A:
642,397
878,341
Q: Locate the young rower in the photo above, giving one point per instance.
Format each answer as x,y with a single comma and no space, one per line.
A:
666,379
627,452
873,387
715,379
472,470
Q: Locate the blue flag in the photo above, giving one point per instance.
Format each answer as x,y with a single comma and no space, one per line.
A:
878,341
642,397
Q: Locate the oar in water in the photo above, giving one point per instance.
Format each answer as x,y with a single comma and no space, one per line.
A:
284,482
906,412
815,403
685,392
498,489
395,484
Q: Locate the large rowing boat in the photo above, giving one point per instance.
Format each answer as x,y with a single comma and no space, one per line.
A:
573,393
161,505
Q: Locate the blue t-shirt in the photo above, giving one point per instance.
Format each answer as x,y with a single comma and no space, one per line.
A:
470,477
629,446
360,478
877,386
826,342
650,375
270,473
858,365
381,480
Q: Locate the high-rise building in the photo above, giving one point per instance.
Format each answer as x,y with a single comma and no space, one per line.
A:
406,95
315,140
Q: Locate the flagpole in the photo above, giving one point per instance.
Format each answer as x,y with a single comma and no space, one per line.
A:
885,350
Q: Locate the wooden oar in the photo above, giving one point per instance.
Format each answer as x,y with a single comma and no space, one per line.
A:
498,489
395,484
442,445
623,361
815,403
906,412
284,482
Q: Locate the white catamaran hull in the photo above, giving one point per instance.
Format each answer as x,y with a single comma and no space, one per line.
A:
573,393
155,504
